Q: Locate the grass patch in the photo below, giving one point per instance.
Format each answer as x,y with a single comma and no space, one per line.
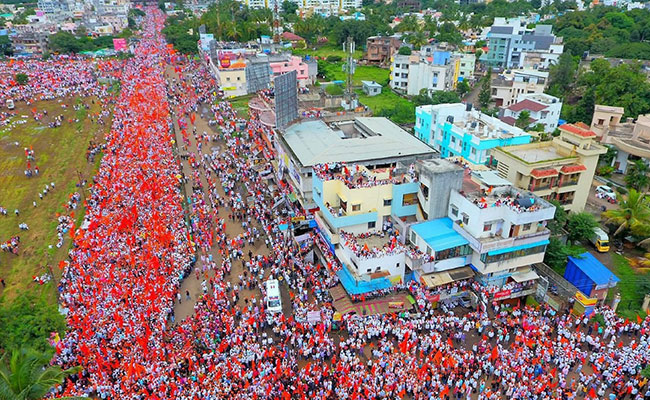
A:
630,287
240,104
395,107
371,73
59,153
334,72
325,51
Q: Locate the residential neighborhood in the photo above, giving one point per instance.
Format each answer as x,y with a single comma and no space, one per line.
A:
282,199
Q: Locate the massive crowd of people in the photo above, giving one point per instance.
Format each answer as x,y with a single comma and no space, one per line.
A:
142,236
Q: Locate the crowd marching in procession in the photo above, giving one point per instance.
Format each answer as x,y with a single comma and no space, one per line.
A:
177,194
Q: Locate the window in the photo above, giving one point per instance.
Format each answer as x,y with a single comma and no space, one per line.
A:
228,78
453,139
454,210
512,254
239,78
356,207
410,199
487,227
473,151
465,219
429,251
371,224
425,190
387,202
413,237
526,227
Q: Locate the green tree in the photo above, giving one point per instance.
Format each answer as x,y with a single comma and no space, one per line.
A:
404,50
523,120
557,253
562,75
21,78
580,226
27,375
289,8
28,321
5,46
64,42
637,176
556,225
632,215
485,95
462,88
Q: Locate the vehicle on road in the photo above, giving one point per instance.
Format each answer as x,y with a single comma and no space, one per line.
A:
600,240
273,299
10,104
606,191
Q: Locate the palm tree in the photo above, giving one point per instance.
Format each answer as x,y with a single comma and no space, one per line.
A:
633,215
27,375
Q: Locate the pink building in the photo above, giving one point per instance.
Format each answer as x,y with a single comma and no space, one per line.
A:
292,63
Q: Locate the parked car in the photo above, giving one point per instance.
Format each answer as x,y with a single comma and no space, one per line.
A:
606,191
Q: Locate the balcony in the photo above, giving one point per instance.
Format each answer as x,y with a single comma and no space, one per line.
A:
483,245
345,219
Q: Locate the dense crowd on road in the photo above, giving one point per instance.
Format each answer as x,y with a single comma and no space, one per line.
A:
120,287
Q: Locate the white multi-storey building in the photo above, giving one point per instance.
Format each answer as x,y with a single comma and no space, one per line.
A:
506,228
543,109
412,73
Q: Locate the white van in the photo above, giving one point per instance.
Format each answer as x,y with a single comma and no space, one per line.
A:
273,299
10,104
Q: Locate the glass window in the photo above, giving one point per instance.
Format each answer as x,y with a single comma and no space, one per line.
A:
487,227
371,224
356,207
454,210
387,202
526,227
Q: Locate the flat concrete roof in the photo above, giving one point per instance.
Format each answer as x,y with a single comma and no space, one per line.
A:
374,138
535,154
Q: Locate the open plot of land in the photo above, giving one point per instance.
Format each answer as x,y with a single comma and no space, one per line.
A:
630,287
326,51
240,104
388,100
60,154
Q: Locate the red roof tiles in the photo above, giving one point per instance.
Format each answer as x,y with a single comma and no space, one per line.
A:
544,172
527,105
578,129
570,169
292,37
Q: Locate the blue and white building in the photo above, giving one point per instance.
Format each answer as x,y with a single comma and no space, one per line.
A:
458,131
505,227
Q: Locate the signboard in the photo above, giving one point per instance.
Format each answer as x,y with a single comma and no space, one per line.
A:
119,44
503,293
206,38
313,316
584,300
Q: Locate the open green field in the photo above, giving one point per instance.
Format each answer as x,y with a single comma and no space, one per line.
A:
60,155
403,110
630,287
334,71
240,104
326,51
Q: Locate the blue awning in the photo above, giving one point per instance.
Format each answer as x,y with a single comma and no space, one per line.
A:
439,234
515,248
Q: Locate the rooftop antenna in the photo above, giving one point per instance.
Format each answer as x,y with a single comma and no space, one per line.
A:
276,22
349,67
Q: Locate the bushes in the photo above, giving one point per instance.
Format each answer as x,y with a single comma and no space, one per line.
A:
605,171
28,322
331,59
334,90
